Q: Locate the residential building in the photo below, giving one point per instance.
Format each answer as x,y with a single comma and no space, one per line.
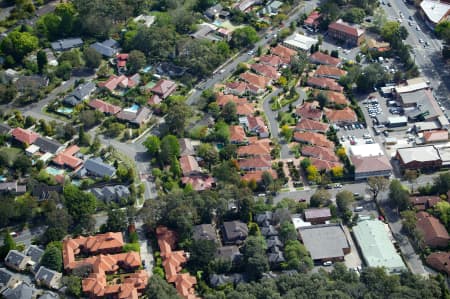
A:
66,44
419,157
325,59
80,93
120,83
310,110
229,253
199,182
48,145
372,237
300,42
434,233
331,72
43,191
255,125
107,48
366,167
423,203
259,147
186,147
164,88
271,60
256,175
214,11
8,279
320,164
234,232
24,136
189,166
306,124
137,117
12,187
104,107
342,116
313,20
223,99
317,215
22,291
335,98
265,70
319,152
67,158
237,88
324,83
112,193
121,62
434,12
31,83
35,253
48,278
237,135
439,261
32,150
284,53
255,163
206,31
346,33
325,242
98,168
313,139
204,232
259,81
272,8
145,20
245,5
18,261
217,280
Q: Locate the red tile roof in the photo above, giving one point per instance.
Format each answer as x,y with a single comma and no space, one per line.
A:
371,164
313,19
306,124
199,183
334,97
245,109
154,100
236,87
325,83
345,28
322,58
257,80
254,149
164,88
439,261
435,136
122,59
314,139
266,70
329,71
24,136
271,60
325,165
319,152
424,202
237,134
118,81
189,165
223,99
257,175
434,233
283,52
66,157
309,110
184,284
253,163
104,107
345,115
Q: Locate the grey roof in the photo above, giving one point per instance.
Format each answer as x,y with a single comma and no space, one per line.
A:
45,275
4,128
35,253
274,241
221,279
71,100
235,230
97,167
424,101
117,191
42,191
186,147
22,291
317,213
15,257
66,44
111,43
142,115
230,253
213,10
420,154
276,256
5,277
263,217
33,82
49,295
204,232
324,241
48,145
84,90
269,231
103,49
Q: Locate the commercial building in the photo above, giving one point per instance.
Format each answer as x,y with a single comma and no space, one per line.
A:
422,157
369,160
317,215
372,237
344,32
299,42
434,12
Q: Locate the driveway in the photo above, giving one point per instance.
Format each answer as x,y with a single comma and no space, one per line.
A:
146,249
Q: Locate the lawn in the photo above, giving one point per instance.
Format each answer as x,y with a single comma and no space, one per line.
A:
10,154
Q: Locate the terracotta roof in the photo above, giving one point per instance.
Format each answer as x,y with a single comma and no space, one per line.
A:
271,60
371,164
24,136
122,59
424,202
345,115
257,80
66,157
283,52
440,261
104,107
164,88
223,99
434,232
184,284
257,175
245,109
314,139
322,58
309,110
325,83
254,149
319,152
199,183
324,164
114,81
266,70
189,165
237,134
306,124
329,71
334,96
154,100
345,28
238,87
435,136
255,122
258,162
313,18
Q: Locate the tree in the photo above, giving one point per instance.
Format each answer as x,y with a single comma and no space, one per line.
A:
312,174
354,15
201,253
287,232
89,118
287,133
170,149
67,14
343,199
79,204
411,176
41,58
209,154
8,244
64,70
229,112
52,258
136,60
117,221
372,75
320,198
153,145
19,44
377,185
266,180
159,288
92,58
244,37
83,138
177,116
398,195
337,172
255,259
297,257
393,32
73,284
442,183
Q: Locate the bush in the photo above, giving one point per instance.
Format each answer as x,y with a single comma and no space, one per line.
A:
132,247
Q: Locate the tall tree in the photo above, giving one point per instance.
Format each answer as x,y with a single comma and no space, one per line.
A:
170,148
398,195
116,221
41,58
177,117
52,258
136,60
153,145
92,58
343,200
377,185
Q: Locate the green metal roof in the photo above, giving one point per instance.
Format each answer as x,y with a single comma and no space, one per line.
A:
376,247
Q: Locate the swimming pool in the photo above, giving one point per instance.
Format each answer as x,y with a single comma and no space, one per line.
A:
54,171
64,110
217,23
147,69
134,108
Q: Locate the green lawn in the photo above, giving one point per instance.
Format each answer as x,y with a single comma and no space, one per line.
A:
10,154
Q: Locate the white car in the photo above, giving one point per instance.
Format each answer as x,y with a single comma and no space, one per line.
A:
417,28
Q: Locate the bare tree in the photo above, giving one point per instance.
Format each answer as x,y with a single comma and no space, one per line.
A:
377,185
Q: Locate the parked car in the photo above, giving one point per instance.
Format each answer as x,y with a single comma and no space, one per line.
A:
328,263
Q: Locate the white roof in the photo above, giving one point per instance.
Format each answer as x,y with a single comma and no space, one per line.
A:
147,20
420,154
397,119
435,11
413,85
32,149
366,150
299,41
299,222
45,157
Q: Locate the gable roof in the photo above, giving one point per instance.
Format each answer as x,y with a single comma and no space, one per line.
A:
23,291
322,58
319,152
257,80
46,275
35,253
435,136
15,257
83,90
66,157
329,71
324,164
66,44
204,232
424,202
24,136
309,110
189,165
237,134
265,70
314,213
5,277
345,115
313,138
371,164
272,60
306,124
431,228
235,229
254,149
104,107
164,87
345,28
97,167
106,48
119,81
199,183
255,162
325,83
440,261
283,52
256,175
334,96
48,145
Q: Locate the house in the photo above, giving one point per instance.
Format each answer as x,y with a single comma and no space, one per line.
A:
326,165
244,5
257,175
223,99
31,83
186,147
80,93
164,88
324,83
343,116
256,125
120,83
255,163
435,136
265,70
135,117
67,158
439,261
8,279
12,187
205,31
24,136
310,110
259,81
229,253
22,291
237,135
98,168
346,33
319,152
325,59
66,44
423,203
225,33
112,193
48,145
371,166
217,280
48,278
300,42
145,20
284,53
199,182
313,20
184,283
234,232
104,107
204,232
254,149
336,98
18,261
434,233
306,124
121,62
35,253
331,72
32,150
419,157
271,60
189,166
107,48
4,129
214,11
245,109
269,231
272,8
275,257
313,139
325,242
265,218
43,191
317,215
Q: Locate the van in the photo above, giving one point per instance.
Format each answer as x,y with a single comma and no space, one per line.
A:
359,209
